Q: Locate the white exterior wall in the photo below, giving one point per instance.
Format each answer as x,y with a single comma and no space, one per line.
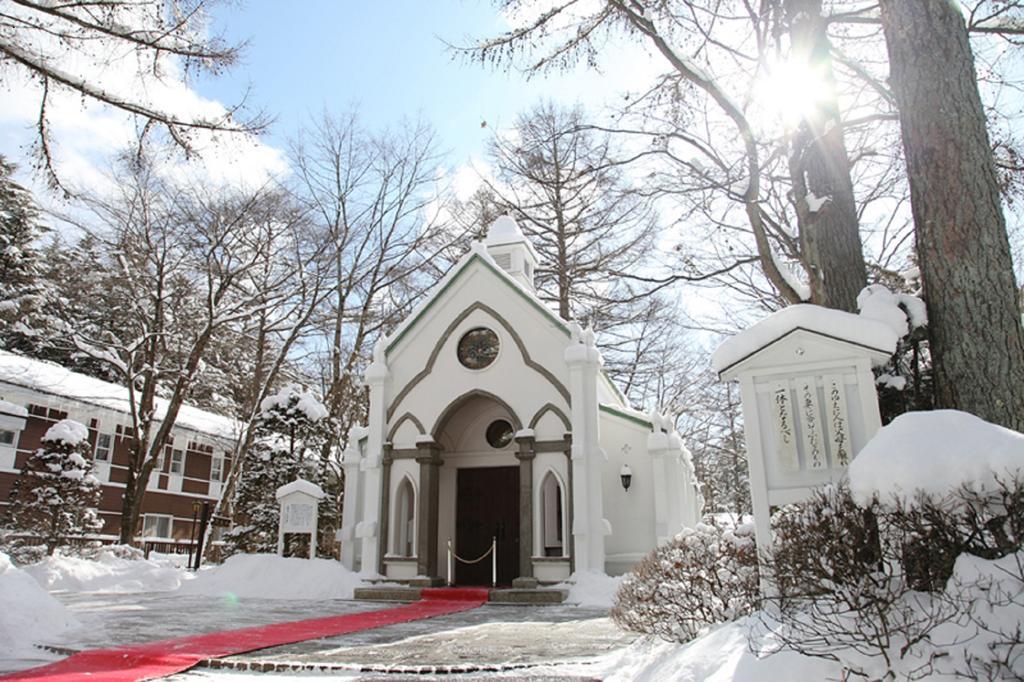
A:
631,513
420,377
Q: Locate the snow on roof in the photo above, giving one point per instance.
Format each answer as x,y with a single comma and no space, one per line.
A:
837,324
48,377
936,453
12,409
476,253
301,485
505,230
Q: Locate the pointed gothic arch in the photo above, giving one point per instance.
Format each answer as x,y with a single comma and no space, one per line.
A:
552,516
454,406
403,514
443,339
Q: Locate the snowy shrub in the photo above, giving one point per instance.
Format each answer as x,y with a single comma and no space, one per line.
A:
55,497
885,586
705,575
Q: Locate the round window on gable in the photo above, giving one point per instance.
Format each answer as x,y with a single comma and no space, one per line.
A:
499,434
478,348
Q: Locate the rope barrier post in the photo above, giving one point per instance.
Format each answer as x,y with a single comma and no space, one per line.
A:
494,562
449,562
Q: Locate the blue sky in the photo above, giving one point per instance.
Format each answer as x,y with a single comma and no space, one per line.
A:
386,58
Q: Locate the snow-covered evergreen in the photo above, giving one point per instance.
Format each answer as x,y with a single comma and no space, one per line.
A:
56,497
23,313
292,432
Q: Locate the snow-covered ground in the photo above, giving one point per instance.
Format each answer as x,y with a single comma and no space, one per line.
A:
109,573
266,576
28,615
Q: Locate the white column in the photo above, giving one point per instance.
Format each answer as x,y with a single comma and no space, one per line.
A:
350,508
589,526
658,448
368,530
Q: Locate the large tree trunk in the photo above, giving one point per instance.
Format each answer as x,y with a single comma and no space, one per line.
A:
821,171
976,338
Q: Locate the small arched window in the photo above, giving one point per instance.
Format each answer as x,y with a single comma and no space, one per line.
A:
552,517
405,519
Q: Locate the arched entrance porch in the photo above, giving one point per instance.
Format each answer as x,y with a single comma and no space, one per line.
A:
479,487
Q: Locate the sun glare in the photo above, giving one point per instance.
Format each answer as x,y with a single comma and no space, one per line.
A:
791,91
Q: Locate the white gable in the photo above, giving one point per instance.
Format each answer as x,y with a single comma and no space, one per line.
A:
425,374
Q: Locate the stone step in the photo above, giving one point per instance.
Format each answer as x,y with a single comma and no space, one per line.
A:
538,596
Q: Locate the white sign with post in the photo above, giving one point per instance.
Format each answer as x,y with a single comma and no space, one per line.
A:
299,500
809,401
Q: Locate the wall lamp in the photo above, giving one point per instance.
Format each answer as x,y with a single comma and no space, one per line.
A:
626,474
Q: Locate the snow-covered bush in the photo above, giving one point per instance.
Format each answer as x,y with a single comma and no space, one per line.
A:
55,497
917,565
704,576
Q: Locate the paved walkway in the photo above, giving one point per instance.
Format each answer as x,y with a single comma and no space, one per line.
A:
165,657
486,639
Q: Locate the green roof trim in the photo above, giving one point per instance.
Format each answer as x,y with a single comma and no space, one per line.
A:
625,415
559,322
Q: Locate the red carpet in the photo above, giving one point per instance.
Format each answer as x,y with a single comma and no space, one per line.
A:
169,656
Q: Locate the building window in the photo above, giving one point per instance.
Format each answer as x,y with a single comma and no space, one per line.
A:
551,516
478,348
499,434
104,447
217,469
177,462
8,437
405,519
157,526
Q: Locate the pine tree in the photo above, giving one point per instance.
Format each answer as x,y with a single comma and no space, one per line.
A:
290,437
21,285
55,497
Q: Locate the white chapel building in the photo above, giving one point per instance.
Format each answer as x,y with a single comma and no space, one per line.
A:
491,417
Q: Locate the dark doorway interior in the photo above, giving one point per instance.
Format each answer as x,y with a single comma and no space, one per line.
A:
487,506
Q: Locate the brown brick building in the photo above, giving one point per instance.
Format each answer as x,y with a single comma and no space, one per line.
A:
35,394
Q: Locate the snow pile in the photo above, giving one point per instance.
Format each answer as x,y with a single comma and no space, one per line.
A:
721,655
853,328
902,312
107,573
936,453
28,615
295,397
67,431
267,576
591,588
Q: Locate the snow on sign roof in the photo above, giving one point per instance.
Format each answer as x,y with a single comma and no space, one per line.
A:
301,485
836,324
54,379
